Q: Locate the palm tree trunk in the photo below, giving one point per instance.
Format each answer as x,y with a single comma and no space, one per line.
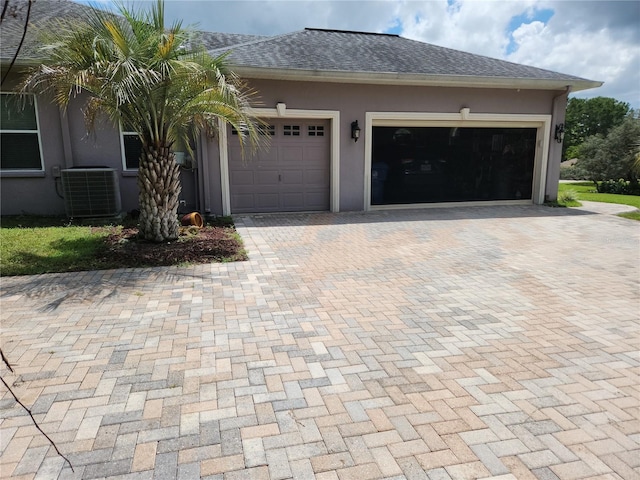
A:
159,184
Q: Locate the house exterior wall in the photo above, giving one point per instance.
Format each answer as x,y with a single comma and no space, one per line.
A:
65,144
354,101
35,192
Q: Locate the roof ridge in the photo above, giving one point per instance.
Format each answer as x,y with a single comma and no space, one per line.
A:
332,30
258,40
230,33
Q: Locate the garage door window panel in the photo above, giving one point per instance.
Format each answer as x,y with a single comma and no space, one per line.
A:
267,130
451,164
291,130
315,131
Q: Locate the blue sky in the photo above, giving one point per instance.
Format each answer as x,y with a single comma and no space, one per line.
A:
592,39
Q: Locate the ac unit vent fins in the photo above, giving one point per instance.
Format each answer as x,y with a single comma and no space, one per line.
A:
91,192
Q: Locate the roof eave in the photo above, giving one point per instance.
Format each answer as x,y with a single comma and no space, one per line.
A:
393,78
409,79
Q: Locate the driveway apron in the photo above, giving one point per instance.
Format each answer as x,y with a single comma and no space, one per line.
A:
454,343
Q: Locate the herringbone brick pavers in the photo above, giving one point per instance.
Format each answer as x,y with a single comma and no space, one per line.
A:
498,342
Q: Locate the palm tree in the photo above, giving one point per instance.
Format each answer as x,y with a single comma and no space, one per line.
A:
159,82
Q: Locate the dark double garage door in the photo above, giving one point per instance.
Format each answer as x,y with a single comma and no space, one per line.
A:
290,174
419,165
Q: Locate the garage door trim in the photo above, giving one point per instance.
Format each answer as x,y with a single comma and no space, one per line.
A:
334,151
463,119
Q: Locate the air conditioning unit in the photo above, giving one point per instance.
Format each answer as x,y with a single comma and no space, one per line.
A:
91,192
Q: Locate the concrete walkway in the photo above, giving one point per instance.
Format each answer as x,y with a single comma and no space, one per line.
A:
608,208
463,343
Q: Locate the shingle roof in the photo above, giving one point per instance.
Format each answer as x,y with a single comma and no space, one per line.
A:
215,40
44,11
343,52
41,12
332,55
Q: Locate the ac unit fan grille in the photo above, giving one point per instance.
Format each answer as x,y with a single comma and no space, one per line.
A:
91,192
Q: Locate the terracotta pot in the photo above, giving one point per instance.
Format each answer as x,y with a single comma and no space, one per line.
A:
193,218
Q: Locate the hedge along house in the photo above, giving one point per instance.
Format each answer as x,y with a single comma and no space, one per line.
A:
356,121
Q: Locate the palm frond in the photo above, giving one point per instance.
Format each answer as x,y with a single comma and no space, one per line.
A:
160,82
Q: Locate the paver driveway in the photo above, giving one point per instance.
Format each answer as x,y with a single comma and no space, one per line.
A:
458,343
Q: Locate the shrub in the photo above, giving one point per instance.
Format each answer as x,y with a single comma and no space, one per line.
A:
567,196
619,187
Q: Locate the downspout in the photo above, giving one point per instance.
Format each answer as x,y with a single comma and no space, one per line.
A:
67,152
203,173
196,184
66,138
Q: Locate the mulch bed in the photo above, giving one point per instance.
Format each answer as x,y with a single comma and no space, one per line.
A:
195,245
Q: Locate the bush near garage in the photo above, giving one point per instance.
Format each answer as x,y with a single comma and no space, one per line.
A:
619,187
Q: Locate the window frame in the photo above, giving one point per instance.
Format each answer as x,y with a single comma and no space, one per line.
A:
123,153
33,171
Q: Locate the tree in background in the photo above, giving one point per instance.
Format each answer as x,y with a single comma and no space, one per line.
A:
588,117
615,156
159,82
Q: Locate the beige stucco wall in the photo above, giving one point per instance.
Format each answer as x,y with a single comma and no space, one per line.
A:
35,192
353,101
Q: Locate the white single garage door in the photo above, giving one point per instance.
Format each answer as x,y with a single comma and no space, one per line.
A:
291,174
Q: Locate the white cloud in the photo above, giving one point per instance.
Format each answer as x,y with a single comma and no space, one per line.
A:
572,52
600,54
527,31
590,39
475,26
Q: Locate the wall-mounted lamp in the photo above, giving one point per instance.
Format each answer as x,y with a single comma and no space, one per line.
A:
355,131
559,136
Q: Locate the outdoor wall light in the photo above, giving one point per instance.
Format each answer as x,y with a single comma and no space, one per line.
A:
355,131
559,136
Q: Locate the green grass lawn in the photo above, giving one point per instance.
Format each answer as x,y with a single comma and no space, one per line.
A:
587,191
34,245
635,215
33,250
